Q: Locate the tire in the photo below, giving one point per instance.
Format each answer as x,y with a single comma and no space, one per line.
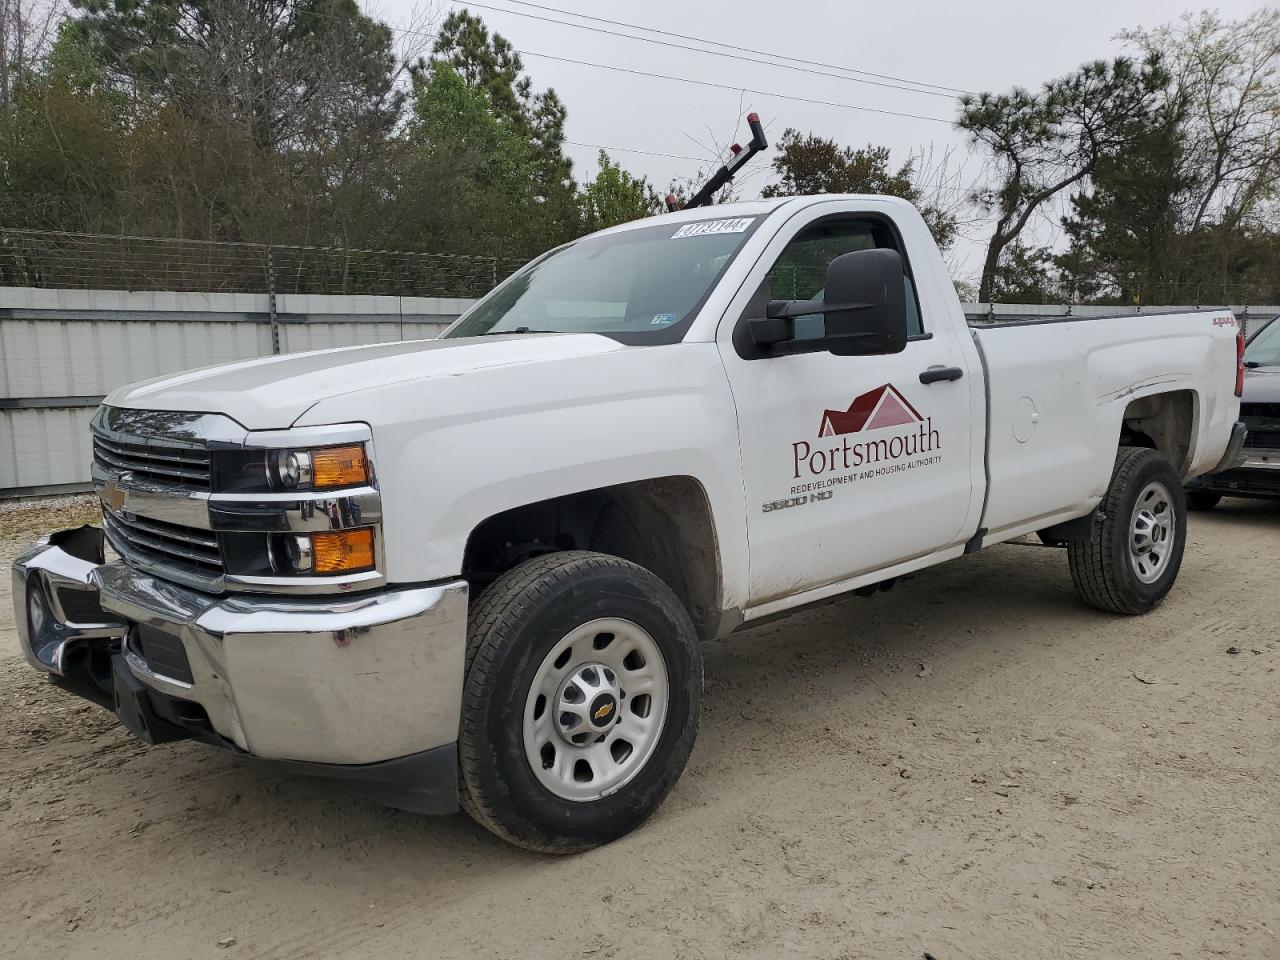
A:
1109,570
1203,499
595,607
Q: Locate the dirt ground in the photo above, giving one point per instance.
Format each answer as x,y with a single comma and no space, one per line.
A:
973,765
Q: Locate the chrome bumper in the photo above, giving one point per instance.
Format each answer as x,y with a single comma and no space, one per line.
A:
56,606
350,680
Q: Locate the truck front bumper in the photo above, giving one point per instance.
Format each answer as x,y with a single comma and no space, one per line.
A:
362,687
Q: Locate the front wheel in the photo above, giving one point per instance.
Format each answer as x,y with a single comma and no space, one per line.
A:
581,701
1134,552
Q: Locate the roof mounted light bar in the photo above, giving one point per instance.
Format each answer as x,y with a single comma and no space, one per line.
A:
727,172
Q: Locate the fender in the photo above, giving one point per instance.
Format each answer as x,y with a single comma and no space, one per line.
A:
454,451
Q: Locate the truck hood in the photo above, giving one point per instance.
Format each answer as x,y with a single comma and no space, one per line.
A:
272,392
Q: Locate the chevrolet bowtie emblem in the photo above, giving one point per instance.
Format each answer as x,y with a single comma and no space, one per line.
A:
113,496
603,711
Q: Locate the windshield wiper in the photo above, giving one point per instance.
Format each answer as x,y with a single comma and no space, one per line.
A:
503,333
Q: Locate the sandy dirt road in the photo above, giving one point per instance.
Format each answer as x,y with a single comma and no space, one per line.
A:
968,765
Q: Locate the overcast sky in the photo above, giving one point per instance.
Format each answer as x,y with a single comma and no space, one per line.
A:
975,45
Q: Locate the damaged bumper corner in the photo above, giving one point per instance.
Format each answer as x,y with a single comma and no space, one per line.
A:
363,687
57,607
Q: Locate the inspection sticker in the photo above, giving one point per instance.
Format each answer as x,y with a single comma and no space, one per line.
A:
662,319
707,228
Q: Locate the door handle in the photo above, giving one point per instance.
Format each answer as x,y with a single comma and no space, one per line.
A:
934,374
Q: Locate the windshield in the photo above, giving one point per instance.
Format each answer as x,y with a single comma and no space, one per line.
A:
1264,349
638,286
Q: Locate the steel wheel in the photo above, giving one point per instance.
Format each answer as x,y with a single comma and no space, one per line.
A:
1152,530
1130,559
595,709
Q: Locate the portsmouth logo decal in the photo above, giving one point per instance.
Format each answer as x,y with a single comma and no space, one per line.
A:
881,407
879,434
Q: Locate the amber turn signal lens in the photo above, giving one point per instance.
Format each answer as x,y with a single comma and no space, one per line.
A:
339,467
344,551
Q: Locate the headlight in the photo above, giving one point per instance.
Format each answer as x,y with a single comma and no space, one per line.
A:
294,469
322,468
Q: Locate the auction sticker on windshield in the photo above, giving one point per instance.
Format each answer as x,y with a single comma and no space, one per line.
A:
707,228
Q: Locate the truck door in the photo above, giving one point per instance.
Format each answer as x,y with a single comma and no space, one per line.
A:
851,464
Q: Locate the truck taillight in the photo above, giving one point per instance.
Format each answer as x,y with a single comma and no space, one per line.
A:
1240,364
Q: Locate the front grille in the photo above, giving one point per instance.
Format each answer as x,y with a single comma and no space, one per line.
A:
187,468
169,544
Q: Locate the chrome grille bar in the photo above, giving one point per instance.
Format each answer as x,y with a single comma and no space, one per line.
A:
190,547
196,458
198,539
185,469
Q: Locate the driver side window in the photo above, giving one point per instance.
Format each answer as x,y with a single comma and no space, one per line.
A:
801,270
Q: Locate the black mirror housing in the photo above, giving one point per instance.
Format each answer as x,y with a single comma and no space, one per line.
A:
864,306
870,283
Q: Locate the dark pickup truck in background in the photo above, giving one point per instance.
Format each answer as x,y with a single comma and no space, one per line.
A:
1259,475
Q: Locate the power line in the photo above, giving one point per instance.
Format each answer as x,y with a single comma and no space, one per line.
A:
648,153
734,88
730,46
714,53
664,76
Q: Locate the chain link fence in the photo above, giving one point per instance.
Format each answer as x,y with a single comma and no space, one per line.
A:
55,260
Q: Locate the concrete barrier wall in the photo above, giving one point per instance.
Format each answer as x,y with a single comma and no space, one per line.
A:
61,351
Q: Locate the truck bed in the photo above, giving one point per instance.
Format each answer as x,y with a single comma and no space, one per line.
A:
1058,391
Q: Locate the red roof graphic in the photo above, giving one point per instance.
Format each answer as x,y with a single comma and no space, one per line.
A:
882,407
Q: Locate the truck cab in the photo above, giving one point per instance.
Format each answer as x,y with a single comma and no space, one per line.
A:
476,570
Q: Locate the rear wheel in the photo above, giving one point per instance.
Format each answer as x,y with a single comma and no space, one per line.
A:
581,701
1203,499
1134,552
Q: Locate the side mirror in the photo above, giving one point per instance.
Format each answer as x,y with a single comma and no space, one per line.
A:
871,283
864,305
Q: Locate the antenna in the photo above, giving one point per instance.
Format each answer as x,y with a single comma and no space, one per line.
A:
727,172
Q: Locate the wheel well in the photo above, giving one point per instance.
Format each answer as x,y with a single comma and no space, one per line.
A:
1164,422
663,524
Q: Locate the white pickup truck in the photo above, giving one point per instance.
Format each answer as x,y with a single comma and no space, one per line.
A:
476,570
